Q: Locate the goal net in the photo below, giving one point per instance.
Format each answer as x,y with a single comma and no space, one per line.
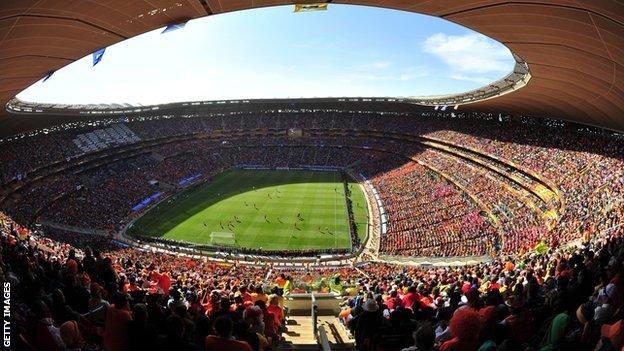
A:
222,239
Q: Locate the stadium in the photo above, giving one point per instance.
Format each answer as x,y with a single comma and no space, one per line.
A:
489,219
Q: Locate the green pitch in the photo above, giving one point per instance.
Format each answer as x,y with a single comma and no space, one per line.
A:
272,210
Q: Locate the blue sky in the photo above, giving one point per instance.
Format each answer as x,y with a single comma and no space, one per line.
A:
275,53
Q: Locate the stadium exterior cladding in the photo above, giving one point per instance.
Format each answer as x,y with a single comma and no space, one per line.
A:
573,48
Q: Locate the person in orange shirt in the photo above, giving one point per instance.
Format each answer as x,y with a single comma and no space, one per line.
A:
223,340
277,311
464,326
259,295
244,294
155,276
280,281
116,326
278,293
72,262
509,266
411,297
132,285
164,282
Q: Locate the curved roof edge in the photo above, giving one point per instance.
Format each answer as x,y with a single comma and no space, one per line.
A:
20,107
516,79
574,48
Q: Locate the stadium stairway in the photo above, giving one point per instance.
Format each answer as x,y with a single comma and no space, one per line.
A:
299,335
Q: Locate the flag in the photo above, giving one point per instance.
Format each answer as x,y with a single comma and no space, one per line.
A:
287,286
173,27
97,56
540,248
47,76
310,7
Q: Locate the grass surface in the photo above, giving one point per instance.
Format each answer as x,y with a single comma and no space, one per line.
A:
237,201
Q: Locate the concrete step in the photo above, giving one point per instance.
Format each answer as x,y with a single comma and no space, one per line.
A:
290,347
337,333
306,312
299,331
299,335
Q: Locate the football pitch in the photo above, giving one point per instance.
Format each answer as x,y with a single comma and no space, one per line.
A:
261,209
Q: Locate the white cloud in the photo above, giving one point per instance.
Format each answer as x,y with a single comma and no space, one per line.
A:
418,71
405,74
377,65
470,53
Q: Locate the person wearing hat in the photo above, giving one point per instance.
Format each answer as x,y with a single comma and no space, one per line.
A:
589,332
368,323
355,312
556,330
604,303
464,327
519,320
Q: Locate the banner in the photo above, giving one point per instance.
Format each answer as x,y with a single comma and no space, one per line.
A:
141,205
173,27
246,166
190,179
97,56
310,7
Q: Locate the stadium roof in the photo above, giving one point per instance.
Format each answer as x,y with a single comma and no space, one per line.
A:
573,48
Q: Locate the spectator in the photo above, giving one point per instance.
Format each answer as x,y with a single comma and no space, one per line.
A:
223,341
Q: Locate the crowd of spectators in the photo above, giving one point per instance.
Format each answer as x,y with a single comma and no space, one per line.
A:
429,216
587,169
127,299
474,211
517,222
564,298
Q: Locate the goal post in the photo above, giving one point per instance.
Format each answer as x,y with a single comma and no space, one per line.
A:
223,239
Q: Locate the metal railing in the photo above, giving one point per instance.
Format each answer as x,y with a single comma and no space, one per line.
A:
314,314
323,340
319,331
